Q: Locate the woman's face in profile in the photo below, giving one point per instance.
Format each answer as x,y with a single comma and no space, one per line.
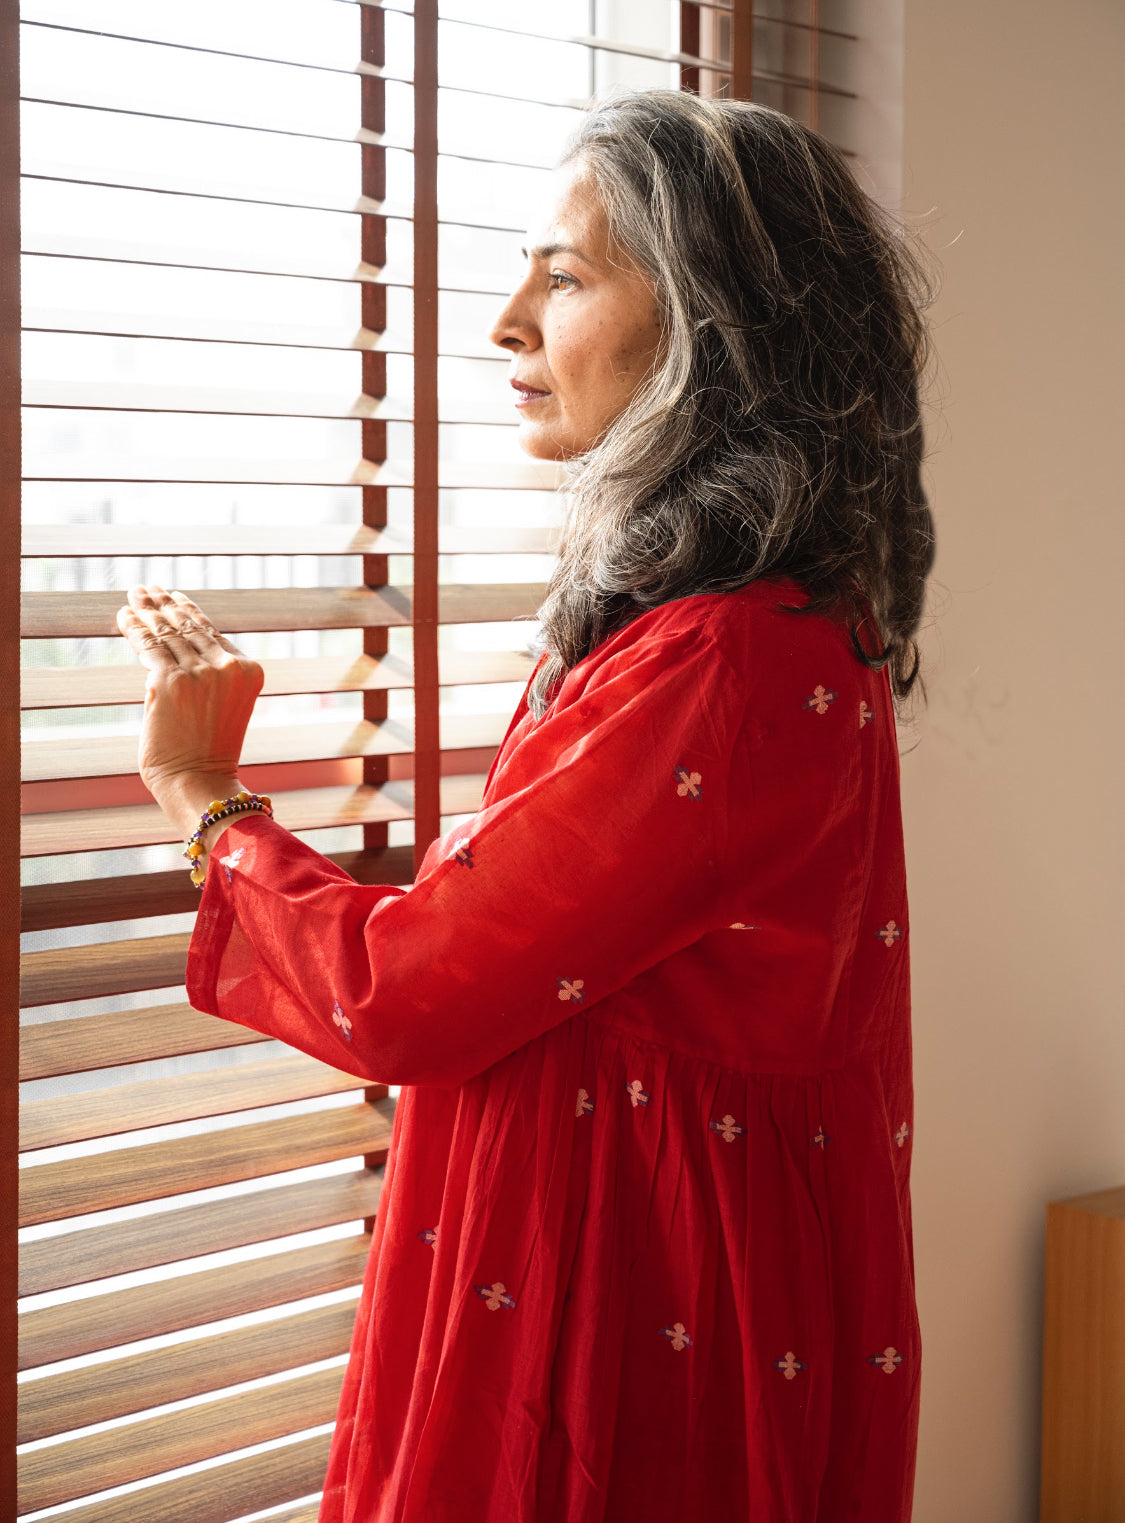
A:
583,327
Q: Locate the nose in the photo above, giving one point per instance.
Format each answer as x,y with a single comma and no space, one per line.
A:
515,328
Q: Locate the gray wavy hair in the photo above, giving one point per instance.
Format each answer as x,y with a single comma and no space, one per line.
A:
779,433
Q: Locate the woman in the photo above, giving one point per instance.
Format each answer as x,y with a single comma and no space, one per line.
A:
644,1246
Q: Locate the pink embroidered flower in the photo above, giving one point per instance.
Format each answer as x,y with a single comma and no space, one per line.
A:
585,1104
463,852
820,1139
637,1093
865,714
341,1020
571,988
819,699
890,932
429,1235
690,783
231,862
888,1361
902,1134
728,1129
495,1296
677,1336
790,1365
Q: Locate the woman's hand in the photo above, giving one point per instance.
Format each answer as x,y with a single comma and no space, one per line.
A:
198,701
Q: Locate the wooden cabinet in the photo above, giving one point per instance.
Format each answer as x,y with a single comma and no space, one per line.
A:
1083,1463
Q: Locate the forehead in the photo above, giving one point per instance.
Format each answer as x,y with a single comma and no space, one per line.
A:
568,211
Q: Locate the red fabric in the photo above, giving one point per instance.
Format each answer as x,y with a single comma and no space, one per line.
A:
644,1246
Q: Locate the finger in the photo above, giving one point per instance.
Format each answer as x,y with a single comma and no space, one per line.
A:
153,649
192,611
148,607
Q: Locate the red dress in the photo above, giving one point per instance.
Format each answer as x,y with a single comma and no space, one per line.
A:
644,1248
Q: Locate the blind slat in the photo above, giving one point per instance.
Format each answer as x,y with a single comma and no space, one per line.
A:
77,830
123,1037
52,1191
79,686
155,1102
69,540
86,901
113,967
79,1467
77,615
223,1493
114,756
61,1403
185,1232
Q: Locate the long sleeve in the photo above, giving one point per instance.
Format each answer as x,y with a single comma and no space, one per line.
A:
599,852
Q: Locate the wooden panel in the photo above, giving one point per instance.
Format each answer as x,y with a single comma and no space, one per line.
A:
77,615
84,901
1083,1456
124,1036
52,1191
223,1493
114,967
309,1513
73,830
149,1447
47,687
157,1102
265,745
165,1237
217,328
66,541
81,1398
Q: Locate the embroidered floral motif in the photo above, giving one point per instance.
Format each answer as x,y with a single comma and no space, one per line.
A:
495,1296
820,1139
585,1104
865,714
790,1365
690,783
740,926
888,1361
637,1093
728,1129
571,988
819,699
890,932
341,1020
463,852
429,1235
902,1134
677,1335
231,862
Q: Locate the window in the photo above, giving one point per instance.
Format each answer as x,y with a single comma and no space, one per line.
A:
262,243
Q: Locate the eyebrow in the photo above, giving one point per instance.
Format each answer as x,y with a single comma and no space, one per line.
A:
549,250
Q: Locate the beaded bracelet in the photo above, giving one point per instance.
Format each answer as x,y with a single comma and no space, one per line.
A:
222,809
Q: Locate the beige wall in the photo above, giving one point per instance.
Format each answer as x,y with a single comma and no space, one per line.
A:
1013,137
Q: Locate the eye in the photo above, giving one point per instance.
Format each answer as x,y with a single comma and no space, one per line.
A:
561,281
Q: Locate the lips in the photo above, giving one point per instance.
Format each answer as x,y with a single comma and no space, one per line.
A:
526,394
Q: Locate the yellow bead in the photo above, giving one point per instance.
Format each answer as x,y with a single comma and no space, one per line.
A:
214,806
243,797
195,849
198,874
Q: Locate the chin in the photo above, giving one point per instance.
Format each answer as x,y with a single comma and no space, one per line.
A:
541,445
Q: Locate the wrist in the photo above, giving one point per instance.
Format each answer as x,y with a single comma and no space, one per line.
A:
184,799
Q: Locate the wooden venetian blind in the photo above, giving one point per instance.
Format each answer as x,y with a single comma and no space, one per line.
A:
263,243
